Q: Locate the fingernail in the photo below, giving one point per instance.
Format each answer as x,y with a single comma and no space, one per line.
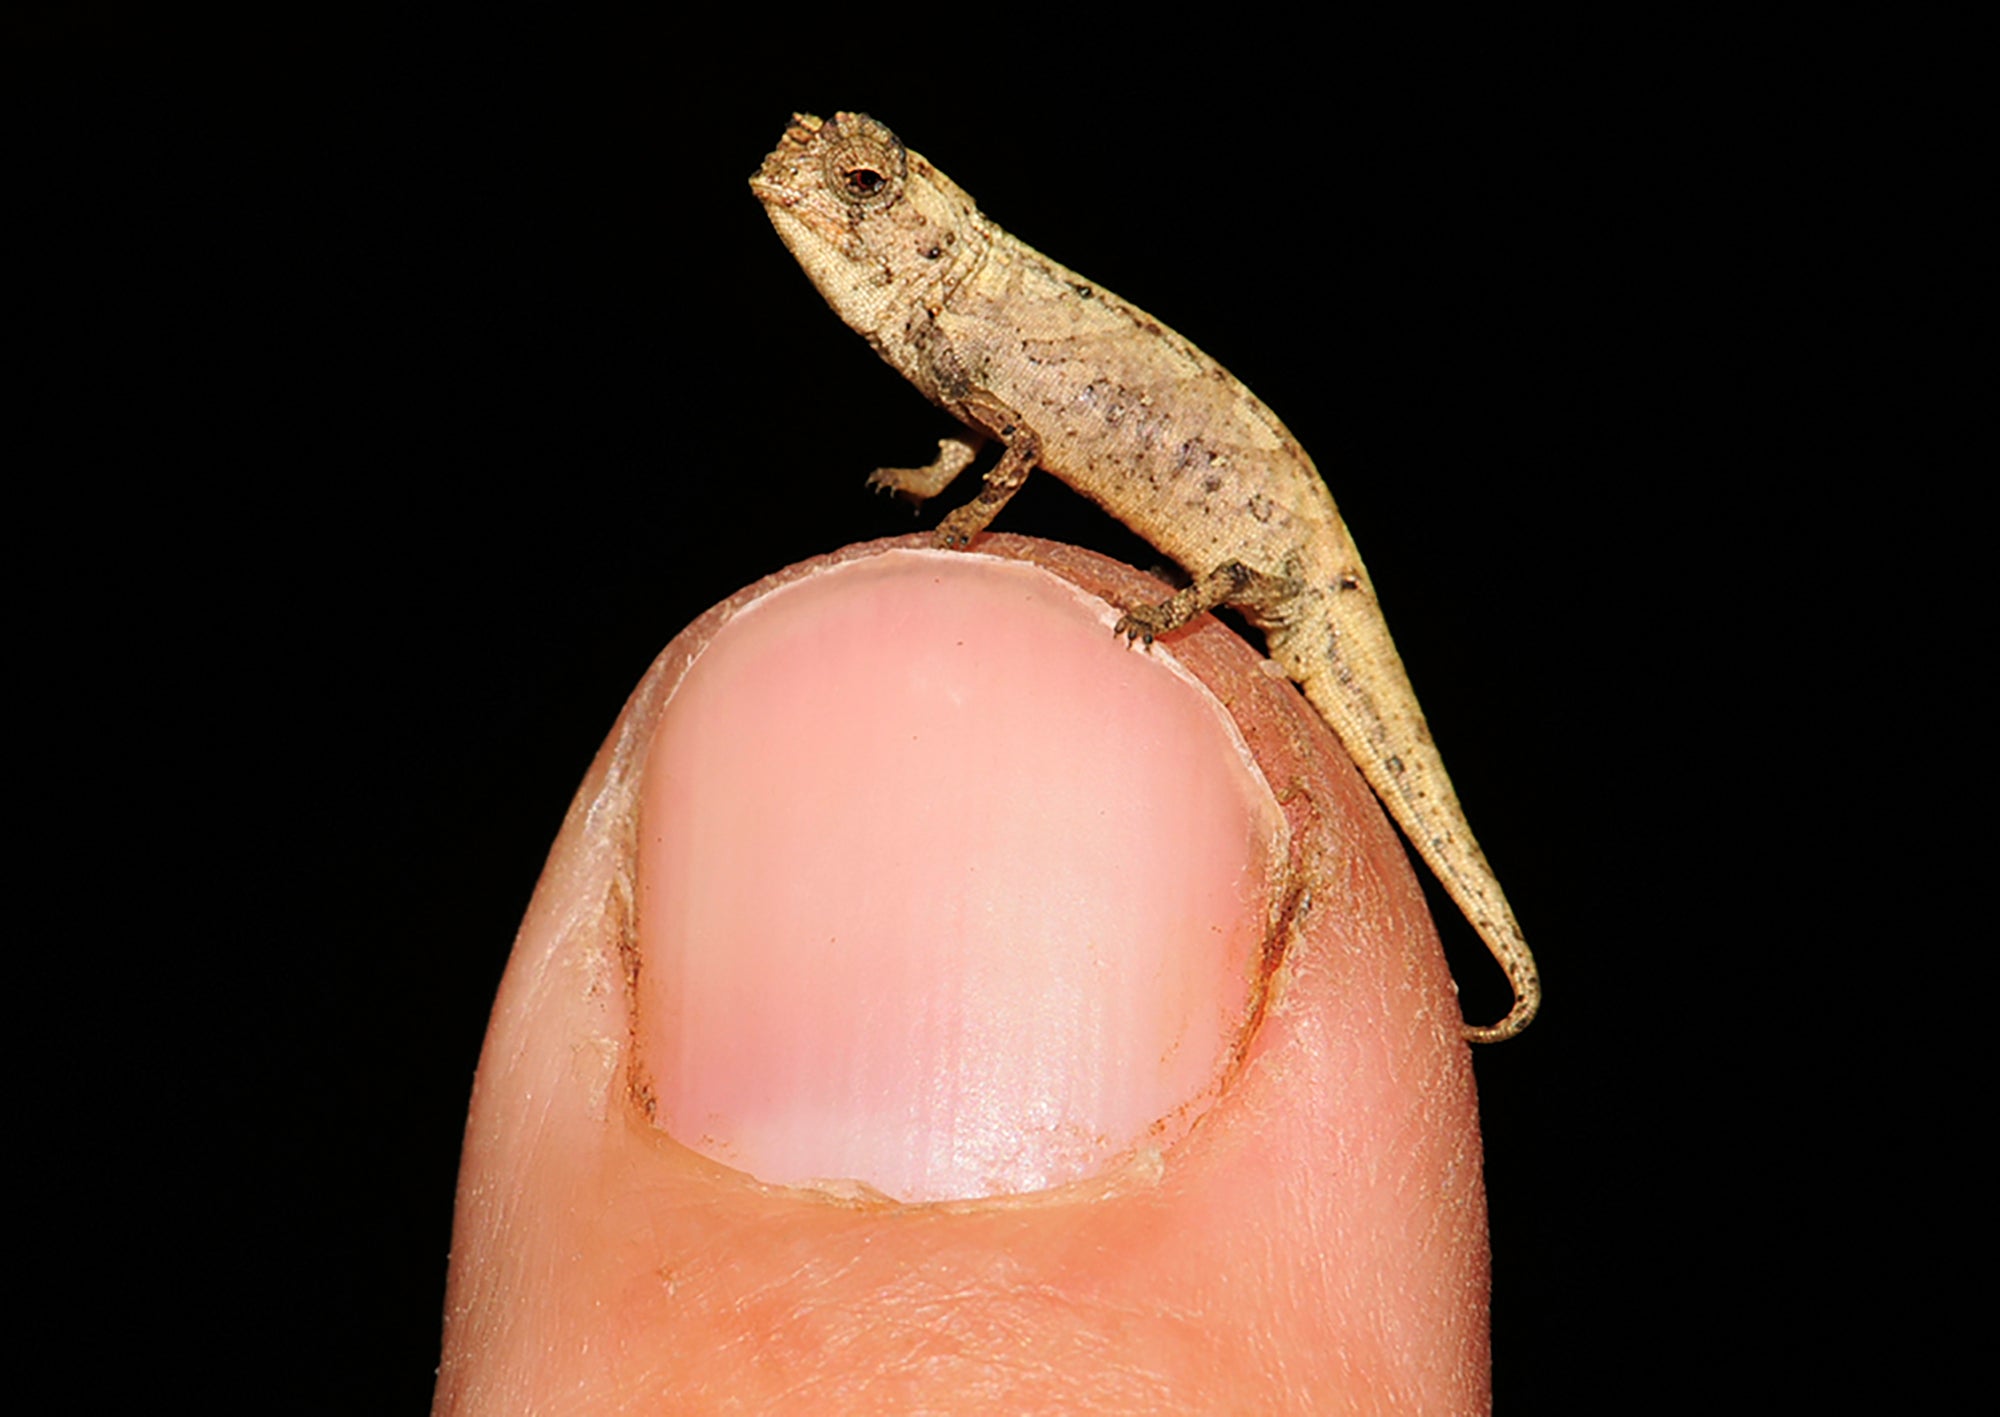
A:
942,888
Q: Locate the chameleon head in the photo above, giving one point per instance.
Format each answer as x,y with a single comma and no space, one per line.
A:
868,219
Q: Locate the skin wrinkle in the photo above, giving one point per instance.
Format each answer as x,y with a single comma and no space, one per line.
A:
938,1315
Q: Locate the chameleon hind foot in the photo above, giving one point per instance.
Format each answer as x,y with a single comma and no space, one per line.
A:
1231,583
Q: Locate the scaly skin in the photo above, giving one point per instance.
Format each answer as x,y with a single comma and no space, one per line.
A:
1070,378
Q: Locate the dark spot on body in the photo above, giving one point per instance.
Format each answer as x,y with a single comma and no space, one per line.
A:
1194,455
932,253
1347,582
1083,290
1394,765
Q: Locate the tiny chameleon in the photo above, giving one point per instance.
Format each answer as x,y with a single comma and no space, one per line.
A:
1068,377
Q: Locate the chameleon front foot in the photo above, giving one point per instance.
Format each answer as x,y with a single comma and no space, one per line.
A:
917,485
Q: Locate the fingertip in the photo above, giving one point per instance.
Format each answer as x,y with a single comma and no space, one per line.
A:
1309,1214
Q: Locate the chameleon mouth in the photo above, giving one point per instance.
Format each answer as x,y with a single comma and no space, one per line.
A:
798,222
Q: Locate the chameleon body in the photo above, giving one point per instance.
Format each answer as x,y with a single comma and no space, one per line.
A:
1070,378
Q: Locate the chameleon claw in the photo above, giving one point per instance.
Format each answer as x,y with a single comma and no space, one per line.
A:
1133,629
887,487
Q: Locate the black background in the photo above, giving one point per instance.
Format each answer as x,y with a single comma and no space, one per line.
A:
413,389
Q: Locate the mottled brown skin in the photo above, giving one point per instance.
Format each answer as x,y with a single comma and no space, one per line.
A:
1066,376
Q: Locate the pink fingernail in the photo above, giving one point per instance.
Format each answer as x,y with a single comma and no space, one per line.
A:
942,888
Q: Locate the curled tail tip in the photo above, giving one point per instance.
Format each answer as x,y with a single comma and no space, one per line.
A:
1518,1018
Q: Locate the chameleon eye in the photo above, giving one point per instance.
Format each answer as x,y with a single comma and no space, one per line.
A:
865,164
863,182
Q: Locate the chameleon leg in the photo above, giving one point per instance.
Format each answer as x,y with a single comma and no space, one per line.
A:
919,484
1024,450
1230,583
